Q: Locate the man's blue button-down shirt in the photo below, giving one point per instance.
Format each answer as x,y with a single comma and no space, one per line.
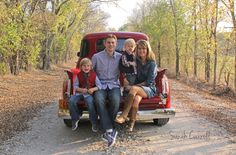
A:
107,69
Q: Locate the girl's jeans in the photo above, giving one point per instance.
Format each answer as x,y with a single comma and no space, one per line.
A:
76,113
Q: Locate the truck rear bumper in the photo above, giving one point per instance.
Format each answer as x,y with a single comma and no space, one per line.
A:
155,114
142,115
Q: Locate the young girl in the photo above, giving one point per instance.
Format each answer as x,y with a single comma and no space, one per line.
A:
127,64
85,85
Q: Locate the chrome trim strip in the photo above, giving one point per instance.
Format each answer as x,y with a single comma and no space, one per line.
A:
142,115
154,114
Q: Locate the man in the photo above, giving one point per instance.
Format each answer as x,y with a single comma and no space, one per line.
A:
106,65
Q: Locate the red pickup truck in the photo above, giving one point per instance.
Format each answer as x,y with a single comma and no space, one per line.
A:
157,108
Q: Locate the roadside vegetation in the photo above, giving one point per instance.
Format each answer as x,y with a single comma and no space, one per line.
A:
188,36
38,33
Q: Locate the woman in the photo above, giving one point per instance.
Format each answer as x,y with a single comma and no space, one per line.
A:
145,82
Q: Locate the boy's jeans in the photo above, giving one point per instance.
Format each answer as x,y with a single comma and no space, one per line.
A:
107,110
75,112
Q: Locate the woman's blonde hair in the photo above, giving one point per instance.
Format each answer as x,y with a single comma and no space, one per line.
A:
146,44
85,61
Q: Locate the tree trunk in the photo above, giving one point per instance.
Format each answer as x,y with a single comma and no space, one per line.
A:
186,59
207,67
195,42
225,60
208,41
172,3
47,56
215,42
235,57
222,69
159,53
215,61
231,6
14,64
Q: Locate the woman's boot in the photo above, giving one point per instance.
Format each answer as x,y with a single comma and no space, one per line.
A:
133,116
128,104
131,125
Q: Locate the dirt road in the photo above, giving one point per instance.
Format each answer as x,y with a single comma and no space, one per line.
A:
186,134
196,129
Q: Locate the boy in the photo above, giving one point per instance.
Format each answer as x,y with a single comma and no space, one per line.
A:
85,85
127,64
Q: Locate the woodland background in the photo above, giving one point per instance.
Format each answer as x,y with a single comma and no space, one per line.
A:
185,35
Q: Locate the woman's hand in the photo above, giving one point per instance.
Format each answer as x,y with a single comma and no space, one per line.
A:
126,82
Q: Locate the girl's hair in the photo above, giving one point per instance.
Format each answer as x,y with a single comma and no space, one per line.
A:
129,41
146,44
85,61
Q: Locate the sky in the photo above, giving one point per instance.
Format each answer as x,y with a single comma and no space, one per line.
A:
119,14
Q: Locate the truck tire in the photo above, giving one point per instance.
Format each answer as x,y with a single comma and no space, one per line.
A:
161,121
68,122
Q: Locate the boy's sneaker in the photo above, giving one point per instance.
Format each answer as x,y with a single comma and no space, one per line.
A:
113,134
75,125
94,128
105,136
110,137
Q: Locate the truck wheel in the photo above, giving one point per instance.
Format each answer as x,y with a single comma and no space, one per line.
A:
68,122
160,121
